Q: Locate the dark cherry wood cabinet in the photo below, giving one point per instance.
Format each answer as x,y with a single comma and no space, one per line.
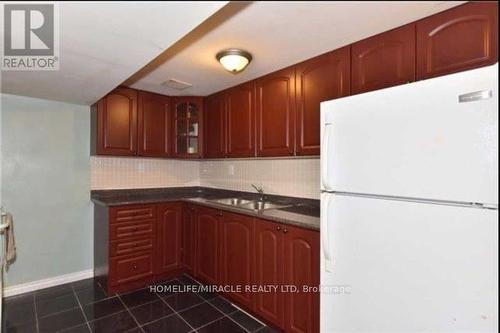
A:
188,239
215,131
236,256
275,105
458,39
301,267
114,123
241,120
137,245
207,244
187,122
269,262
154,125
317,80
169,239
125,246
384,60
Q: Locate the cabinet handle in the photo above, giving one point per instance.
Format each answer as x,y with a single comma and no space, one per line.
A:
278,228
285,231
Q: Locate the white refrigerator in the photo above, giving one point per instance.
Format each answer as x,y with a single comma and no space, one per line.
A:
409,207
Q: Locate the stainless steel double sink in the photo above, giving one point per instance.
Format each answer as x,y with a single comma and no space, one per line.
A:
249,204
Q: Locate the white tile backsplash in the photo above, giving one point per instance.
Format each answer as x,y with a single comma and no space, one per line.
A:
292,177
125,172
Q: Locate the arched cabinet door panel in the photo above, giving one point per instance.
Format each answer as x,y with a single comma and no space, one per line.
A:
458,39
154,125
275,105
117,123
317,80
384,60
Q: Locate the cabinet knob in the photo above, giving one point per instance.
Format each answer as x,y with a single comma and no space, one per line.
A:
285,231
278,228
220,214
134,267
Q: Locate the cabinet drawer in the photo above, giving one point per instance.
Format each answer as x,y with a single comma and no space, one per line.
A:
131,246
131,229
132,213
130,268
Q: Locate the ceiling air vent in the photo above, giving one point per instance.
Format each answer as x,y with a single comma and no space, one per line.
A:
176,84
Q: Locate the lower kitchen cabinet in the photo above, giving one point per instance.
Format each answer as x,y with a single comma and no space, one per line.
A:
136,245
236,256
124,246
188,239
168,239
301,267
207,244
269,261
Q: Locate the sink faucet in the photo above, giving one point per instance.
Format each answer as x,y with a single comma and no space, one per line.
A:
260,190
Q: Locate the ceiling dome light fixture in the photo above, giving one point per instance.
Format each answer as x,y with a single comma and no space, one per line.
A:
234,60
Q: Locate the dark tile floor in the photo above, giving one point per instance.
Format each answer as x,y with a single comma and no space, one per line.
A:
84,307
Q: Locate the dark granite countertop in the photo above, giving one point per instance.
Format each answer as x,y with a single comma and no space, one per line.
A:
299,211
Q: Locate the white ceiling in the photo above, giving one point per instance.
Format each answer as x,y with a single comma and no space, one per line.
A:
102,44
279,34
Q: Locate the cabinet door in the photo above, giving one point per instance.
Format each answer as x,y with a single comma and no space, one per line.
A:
319,79
169,233
215,131
383,60
237,243
154,125
188,239
188,129
207,245
269,261
302,270
275,104
117,123
241,121
458,39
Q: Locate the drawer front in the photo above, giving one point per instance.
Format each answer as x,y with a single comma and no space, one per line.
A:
130,268
132,213
123,247
131,229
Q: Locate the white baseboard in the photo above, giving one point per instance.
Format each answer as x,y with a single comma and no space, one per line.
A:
45,283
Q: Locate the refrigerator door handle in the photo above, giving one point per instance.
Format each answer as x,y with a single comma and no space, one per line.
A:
325,239
324,156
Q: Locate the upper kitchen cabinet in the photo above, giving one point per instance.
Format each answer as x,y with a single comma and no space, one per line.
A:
384,60
458,39
241,120
154,125
215,132
319,79
275,105
188,117
114,123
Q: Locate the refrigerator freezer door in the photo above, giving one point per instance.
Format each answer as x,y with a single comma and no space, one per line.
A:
416,140
405,267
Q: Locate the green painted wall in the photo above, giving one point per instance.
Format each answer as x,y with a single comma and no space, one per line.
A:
46,186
